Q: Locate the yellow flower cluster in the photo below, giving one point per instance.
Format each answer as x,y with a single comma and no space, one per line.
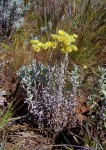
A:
37,45
62,38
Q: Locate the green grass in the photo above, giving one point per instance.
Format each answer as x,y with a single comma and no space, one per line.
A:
6,117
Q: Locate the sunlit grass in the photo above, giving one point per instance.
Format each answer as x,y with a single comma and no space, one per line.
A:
18,50
85,18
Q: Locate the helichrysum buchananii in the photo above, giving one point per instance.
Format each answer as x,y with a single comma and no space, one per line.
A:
61,40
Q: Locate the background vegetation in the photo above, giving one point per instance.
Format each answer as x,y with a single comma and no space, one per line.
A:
41,18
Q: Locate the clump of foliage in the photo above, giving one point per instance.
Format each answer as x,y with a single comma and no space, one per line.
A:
97,99
50,103
95,124
11,16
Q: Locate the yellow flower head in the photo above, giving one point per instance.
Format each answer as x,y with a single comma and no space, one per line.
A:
85,66
67,42
36,48
54,37
73,47
63,50
60,38
68,49
45,46
72,40
61,32
34,41
48,44
40,44
53,44
75,36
